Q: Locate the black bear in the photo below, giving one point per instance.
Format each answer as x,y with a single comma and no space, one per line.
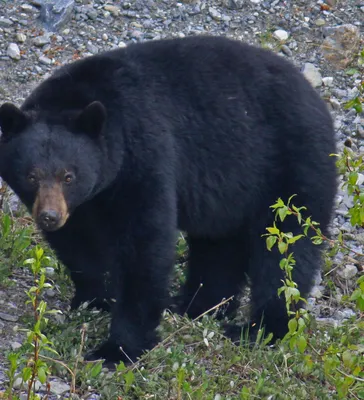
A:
116,152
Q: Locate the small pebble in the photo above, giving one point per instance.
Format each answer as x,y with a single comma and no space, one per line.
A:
328,81
45,60
21,38
281,35
13,51
312,74
8,317
348,272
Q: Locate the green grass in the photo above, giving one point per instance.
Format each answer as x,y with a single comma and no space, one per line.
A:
193,360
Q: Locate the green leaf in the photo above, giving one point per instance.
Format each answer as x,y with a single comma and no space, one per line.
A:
121,367
27,373
353,178
273,230
351,71
348,358
42,376
282,212
292,325
271,241
129,379
96,369
301,344
282,247
294,239
245,393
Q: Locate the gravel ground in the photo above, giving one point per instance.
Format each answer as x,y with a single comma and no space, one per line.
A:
321,38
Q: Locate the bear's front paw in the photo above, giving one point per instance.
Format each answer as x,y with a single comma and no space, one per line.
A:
110,352
99,304
246,335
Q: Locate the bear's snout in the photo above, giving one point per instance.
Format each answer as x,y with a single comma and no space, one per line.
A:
50,209
49,220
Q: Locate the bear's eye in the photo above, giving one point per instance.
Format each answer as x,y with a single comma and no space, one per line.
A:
32,179
68,178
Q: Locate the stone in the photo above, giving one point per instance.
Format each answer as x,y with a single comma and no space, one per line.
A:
13,51
20,37
327,322
286,50
50,293
114,10
281,35
344,314
360,179
41,41
233,4
316,292
18,384
45,60
54,14
348,272
58,387
5,22
312,74
341,45
92,48
328,81
15,345
348,313
214,14
320,22
49,271
8,317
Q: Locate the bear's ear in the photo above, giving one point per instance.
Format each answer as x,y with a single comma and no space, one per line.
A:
12,120
92,118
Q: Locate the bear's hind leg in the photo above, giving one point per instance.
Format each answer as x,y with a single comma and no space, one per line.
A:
215,272
267,309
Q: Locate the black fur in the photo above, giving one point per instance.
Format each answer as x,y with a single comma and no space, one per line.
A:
200,134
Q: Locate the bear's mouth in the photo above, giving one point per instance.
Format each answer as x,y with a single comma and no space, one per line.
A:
50,210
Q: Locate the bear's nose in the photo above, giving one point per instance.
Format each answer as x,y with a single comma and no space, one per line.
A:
49,219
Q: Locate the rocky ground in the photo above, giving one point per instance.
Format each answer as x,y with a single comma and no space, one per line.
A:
323,38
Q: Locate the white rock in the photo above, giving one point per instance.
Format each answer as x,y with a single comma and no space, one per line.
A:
49,271
58,387
50,293
18,383
15,345
45,60
348,313
312,74
316,292
21,38
360,179
121,44
348,272
344,314
327,322
214,14
40,41
328,81
115,10
13,51
281,35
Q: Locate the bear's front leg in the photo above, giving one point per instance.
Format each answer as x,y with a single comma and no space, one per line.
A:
146,258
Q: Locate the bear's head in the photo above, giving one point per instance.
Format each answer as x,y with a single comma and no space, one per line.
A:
52,161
